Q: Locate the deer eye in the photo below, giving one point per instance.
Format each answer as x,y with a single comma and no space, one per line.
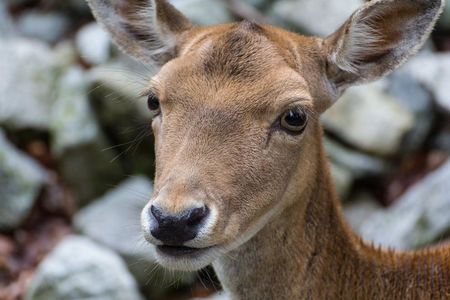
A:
294,120
153,103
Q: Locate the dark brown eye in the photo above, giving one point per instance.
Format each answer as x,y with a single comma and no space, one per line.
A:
294,120
153,103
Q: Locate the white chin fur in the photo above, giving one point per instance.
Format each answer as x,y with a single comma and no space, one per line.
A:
186,264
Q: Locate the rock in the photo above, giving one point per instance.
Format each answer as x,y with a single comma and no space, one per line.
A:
434,72
204,12
93,44
65,54
115,97
37,68
444,20
369,119
343,180
33,65
417,100
49,26
76,8
419,217
361,207
21,180
119,229
359,164
7,28
317,17
441,141
122,81
217,296
78,141
16,2
80,269
258,3
72,120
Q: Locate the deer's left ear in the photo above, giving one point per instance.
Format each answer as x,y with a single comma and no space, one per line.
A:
147,30
378,38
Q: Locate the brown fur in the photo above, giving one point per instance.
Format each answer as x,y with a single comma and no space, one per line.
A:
318,257
276,230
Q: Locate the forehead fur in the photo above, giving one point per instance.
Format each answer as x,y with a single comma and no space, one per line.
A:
241,52
246,62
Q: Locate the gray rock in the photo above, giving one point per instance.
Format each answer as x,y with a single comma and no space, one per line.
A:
49,27
37,68
119,229
93,44
15,2
258,3
361,207
414,97
204,12
7,28
359,164
78,141
21,180
77,7
115,97
317,17
444,20
66,55
434,72
119,226
370,119
419,217
34,66
122,81
80,269
441,141
72,120
343,180
217,296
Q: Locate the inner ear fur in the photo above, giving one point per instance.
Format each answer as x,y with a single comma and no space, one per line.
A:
378,38
147,30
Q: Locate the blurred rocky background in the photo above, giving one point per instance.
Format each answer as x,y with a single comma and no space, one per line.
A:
76,157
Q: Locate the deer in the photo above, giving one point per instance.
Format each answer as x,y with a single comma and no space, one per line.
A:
242,181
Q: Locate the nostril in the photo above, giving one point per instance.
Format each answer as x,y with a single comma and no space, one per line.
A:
157,213
197,215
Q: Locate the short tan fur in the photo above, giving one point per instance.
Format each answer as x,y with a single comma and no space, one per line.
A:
227,97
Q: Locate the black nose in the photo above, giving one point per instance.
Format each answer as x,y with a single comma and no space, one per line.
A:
174,230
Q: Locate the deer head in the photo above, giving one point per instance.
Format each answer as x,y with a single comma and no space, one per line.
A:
237,111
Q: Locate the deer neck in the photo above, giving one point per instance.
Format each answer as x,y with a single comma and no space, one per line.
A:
286,258
308,252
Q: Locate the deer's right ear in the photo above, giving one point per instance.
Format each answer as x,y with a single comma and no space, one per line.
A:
147,30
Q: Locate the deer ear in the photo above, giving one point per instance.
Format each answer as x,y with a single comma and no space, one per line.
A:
378,38
145,29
